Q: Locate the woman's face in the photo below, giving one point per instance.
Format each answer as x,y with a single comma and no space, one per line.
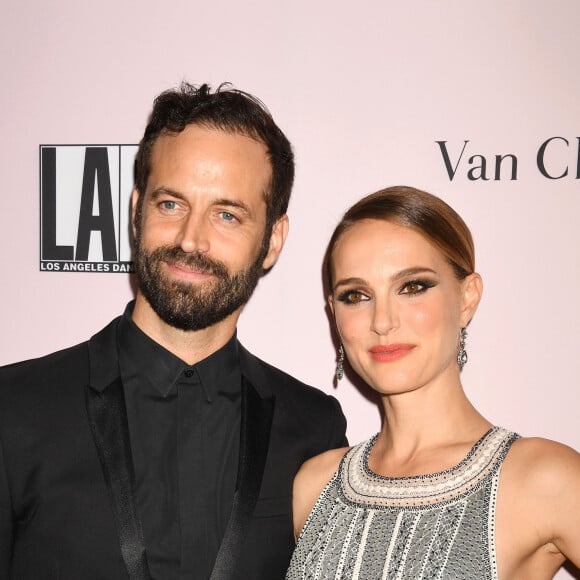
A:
398,306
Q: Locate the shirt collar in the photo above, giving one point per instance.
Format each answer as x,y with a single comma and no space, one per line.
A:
140,355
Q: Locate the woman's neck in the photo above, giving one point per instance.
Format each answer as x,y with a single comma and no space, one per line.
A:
426,430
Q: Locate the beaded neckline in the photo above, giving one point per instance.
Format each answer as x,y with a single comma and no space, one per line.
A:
360,485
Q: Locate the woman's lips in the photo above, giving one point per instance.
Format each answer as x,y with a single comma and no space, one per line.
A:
390,352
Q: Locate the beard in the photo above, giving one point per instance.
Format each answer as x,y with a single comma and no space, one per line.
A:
191,306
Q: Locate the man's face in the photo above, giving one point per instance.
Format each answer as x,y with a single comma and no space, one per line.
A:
200,244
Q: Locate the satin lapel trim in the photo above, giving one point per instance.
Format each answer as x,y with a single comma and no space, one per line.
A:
256,424
108,420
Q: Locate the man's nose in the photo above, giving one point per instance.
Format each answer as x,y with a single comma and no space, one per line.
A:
194,234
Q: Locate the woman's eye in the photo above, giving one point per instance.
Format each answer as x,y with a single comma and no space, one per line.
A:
414,287
353,297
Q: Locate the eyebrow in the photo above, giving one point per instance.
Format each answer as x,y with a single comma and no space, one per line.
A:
164,191
233,203
394,278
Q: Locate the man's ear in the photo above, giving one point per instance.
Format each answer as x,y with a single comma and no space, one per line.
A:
134,200
471,291
277,239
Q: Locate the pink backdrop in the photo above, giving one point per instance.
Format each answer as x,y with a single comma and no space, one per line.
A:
363,95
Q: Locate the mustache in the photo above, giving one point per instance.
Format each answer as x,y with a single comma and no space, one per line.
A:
194,260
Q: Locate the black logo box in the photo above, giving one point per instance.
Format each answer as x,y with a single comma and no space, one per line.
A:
85,195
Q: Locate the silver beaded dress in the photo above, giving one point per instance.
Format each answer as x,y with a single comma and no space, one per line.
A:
437,526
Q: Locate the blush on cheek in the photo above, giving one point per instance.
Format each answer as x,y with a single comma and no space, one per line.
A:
424,320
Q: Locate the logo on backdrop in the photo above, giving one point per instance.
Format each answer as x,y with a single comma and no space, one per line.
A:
85,196
556,158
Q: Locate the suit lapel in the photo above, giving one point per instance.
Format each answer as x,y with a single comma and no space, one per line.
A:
257,413
108,421
105,403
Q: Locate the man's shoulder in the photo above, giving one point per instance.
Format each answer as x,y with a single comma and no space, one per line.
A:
304,409
278,380
288,390
37,386
63,364
60,359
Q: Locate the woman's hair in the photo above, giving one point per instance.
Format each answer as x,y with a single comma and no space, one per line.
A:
423,212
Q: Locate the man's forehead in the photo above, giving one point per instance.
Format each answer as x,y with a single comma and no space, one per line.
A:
197,141
208,155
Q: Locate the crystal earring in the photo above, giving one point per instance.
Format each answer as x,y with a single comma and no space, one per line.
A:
462,354
340,363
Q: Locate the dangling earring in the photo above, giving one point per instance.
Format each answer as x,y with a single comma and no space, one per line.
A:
462,354
340,363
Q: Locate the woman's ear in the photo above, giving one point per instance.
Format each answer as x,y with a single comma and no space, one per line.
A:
330,300
471,291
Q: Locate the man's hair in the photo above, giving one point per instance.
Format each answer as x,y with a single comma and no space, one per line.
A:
229,110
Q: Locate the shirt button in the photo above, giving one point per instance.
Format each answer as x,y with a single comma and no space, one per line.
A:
188,373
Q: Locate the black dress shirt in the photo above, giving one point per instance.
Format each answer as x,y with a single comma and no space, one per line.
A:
184,425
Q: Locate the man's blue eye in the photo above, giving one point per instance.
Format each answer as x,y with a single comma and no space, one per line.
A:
227,216
168,204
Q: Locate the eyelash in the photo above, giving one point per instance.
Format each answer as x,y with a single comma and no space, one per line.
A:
347,297
422,286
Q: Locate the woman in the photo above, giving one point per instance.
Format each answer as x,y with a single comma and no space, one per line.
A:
439,492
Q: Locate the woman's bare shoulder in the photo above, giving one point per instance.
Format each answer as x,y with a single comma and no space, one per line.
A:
541,479
535,457
315,473
322,466
542,467
309,482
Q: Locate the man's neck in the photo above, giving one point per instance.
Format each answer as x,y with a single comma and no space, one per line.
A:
191,346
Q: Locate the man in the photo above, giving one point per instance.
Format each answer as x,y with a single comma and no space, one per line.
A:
161,448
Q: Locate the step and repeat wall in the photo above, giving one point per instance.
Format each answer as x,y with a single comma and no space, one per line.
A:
475,102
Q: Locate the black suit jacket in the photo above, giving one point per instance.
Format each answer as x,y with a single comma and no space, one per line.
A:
67,505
